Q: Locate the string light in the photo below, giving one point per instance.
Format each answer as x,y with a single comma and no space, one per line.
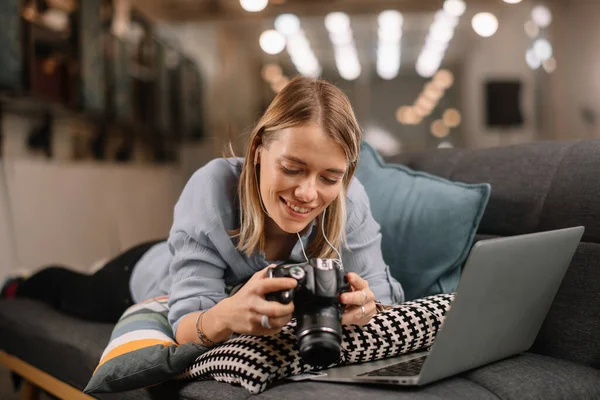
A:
441,31
439,129
452,118
297,45
389,36
344,48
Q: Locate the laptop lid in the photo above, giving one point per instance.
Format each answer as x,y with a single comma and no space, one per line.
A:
503,297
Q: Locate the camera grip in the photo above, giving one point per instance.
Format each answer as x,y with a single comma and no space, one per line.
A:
283,296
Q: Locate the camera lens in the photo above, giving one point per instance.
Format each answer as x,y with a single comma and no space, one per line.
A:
319,336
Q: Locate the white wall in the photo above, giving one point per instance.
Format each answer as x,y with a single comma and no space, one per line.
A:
8,259
576,34
15,129
76,213
501,56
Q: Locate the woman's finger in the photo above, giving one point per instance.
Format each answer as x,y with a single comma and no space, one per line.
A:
275,285
356,281
358,298
262,274
271,309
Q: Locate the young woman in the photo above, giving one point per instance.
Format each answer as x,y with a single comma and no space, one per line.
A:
291,198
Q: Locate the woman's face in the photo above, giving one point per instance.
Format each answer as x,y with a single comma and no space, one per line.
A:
301,172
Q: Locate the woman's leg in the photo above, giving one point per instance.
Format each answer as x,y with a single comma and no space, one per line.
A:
101,297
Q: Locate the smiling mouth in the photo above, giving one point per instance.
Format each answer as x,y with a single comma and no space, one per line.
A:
296,209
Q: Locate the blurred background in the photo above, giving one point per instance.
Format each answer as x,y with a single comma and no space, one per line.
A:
108,106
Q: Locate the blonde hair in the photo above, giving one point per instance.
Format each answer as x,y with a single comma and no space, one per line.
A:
302,101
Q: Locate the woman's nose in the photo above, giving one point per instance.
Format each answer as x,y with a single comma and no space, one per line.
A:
306,191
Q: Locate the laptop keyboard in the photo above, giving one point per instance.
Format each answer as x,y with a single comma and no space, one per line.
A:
407,368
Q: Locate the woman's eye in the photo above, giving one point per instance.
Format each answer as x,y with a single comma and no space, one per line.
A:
291,171
329,181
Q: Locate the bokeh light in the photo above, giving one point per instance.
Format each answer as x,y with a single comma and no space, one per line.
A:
272,42
542,16
452,118
271,72
542,49
287,24
485,24
456,8
531,29
549,65
444,79
254,5
439,129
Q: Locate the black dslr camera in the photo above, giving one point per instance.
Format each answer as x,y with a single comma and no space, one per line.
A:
317,307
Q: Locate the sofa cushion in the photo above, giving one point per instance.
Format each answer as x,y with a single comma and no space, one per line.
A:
570,331
531,376
38,334
525,376
427,222
65,347
46,338
450,389
573,196
69,349
537,186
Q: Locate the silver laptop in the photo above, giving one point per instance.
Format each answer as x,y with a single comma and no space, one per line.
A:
504,294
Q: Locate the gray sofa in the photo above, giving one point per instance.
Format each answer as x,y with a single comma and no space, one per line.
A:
535,187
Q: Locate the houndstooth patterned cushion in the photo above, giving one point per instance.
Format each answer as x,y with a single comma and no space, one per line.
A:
254,362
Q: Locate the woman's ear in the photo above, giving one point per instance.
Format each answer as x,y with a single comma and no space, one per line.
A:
257,155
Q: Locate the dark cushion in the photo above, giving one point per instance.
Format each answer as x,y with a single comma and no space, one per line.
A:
449,389
532,376
526,376
537,186
69,349
571,330
573,198
46,338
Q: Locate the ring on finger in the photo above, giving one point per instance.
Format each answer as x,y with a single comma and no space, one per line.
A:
264,322
362,308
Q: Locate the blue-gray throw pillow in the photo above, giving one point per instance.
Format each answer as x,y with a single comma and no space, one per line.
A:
428,223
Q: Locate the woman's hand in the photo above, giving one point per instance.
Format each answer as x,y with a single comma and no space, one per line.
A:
243,312
360,302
